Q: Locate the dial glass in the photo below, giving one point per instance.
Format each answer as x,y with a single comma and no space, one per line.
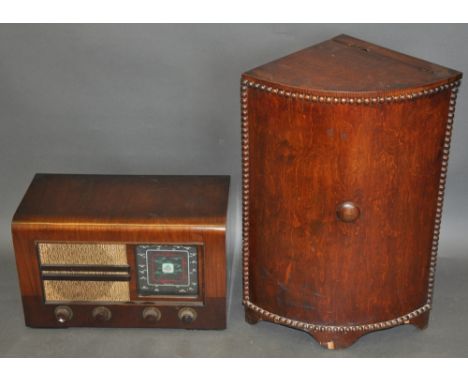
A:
167,270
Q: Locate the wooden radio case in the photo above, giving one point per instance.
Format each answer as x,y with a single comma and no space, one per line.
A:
123,251
345,149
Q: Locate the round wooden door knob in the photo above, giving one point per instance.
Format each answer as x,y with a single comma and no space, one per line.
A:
151,314
347,212
63,313
102,314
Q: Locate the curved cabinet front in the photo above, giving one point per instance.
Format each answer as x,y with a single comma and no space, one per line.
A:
342,205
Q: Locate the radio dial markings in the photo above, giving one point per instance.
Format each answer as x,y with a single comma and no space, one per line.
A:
167,270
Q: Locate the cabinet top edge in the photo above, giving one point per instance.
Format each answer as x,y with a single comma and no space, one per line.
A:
161,200
348,66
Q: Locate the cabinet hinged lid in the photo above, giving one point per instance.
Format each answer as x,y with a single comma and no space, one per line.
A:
347,66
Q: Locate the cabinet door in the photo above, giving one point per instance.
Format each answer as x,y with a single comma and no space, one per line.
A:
307,158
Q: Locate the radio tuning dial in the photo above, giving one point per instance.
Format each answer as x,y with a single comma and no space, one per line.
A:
187,315
63,313
151,314
102,314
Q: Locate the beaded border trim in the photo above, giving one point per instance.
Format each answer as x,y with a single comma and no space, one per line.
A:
245,201
350,100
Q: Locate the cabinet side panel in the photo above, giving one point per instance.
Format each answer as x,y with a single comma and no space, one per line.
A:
306,158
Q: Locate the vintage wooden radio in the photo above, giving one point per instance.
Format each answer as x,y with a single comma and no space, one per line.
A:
123,251
345,152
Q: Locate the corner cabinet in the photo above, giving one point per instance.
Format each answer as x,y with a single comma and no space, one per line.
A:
344,151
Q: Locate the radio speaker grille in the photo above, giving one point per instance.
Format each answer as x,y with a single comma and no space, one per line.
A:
72,290
92,254
84,272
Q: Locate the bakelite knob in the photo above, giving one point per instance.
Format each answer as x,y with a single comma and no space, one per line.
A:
151,314
187,315
347,212
63,313
102,314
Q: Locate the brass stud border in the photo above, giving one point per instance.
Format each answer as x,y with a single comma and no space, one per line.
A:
245,192
350,100
441,192
269,316
266,315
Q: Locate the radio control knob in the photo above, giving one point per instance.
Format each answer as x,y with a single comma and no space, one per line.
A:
102,314
187,315
151,314
63,313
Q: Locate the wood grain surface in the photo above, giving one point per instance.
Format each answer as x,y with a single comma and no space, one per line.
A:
129,210
304,159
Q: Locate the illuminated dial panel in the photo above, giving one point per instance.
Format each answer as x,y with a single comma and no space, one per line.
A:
167,270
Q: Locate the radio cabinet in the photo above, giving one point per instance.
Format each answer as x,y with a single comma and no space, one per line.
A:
123,251
345,149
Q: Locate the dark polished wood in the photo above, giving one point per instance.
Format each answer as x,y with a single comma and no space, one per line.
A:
347,65
250,317
126,210
345,150
135,199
